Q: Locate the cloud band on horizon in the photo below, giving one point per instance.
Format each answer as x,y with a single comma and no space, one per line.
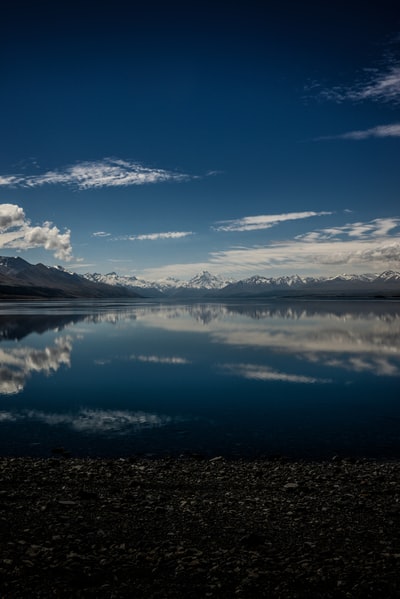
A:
372,244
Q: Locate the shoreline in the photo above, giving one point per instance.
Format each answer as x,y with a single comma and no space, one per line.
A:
170,528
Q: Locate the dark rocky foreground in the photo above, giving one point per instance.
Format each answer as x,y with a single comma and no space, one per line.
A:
183,528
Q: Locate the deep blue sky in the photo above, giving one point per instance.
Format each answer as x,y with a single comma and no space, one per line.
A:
163,138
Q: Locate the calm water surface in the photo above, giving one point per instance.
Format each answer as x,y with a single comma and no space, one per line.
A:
302,379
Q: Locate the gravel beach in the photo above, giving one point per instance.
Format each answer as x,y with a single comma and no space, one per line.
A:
196,527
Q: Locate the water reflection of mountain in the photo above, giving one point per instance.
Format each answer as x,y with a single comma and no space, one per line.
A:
307,309
14,327
353,336
208,312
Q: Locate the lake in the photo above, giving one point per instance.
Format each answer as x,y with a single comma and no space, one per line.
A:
303,379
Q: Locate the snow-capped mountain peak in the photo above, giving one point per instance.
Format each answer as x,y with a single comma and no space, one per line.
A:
390,275
205,280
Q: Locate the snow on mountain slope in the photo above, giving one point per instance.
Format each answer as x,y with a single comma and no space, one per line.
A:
205,280
205,283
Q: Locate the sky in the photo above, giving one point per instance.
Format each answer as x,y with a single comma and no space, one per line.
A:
161,139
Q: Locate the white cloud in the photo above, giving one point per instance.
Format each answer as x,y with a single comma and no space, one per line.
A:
11,215
376,228
109,172
312,251
379,85
381,131
9,180
16,232
101,234
263,221
156,236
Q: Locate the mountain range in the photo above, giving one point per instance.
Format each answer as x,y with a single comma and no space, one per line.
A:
206,284
20,279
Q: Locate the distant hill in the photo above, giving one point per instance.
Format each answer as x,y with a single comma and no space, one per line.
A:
21,280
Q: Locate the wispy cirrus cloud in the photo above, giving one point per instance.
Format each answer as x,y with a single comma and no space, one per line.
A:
377,84
101,234
262,221
376,228
16,231
144,236
108,172
362,243
382,131
156,236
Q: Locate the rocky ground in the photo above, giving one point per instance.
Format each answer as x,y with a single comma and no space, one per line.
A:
187,528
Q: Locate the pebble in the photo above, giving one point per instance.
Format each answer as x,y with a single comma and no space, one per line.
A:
172,529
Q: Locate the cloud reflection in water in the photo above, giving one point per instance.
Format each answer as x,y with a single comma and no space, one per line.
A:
357,337
93,421
17,365
264,373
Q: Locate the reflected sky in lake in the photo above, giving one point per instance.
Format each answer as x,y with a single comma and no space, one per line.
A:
302,379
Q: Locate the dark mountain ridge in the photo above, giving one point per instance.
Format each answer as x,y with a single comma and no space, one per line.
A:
19,279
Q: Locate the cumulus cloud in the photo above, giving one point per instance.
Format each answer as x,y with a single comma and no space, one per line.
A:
17,232
381,131
109,172
263,221
11,215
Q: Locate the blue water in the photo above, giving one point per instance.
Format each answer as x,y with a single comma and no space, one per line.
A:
301,379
